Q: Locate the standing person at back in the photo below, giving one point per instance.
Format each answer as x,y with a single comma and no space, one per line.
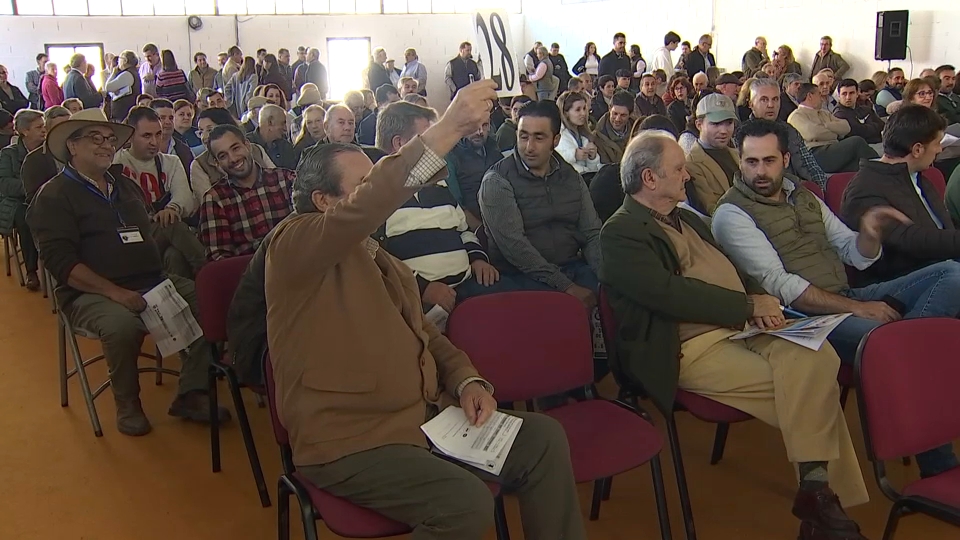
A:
663,57
202,75
234,61
150,68
311,72
32,83
459,70
826,57
124,86
700,58
617,58
172,83
77,86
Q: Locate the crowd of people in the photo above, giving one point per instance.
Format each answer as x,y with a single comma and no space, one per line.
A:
692,194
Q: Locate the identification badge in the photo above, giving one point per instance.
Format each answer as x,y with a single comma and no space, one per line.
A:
130,235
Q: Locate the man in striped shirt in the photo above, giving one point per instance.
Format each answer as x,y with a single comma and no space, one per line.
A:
429,232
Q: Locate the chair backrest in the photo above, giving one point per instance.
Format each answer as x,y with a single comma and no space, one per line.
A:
835,187
936,178
216,284
814,188
527,344
909,373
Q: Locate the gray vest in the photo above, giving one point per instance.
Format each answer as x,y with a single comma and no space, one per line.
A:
549,207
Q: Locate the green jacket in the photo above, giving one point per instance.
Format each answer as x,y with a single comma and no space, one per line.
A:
641,274
11,187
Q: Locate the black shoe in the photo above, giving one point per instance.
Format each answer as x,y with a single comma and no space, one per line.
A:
195,406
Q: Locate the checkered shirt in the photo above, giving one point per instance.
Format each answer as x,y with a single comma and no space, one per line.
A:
234,219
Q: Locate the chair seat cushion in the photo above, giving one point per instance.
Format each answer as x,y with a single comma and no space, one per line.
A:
606,439
351,521
709,410
943,488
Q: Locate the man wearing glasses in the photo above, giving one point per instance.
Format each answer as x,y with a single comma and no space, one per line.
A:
93,231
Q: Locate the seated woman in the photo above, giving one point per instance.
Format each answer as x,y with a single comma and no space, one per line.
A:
576,143
183,126
312,132
679,108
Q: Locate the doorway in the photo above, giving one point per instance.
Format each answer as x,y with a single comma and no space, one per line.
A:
347,59
60,55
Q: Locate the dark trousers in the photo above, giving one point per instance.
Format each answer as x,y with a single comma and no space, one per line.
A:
844,155
27,246
445,500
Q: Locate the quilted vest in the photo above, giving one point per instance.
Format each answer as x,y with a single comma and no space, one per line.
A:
796,231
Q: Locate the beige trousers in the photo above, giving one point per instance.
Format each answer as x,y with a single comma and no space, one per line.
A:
786,386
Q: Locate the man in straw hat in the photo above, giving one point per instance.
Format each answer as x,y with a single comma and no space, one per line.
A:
93,231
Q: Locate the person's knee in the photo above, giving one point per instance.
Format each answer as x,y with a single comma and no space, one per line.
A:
467,512
122,329
549,434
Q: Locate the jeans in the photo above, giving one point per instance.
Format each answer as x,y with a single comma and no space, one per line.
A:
577,271
933,291
471,288
843,155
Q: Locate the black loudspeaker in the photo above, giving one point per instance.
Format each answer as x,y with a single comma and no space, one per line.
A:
891,35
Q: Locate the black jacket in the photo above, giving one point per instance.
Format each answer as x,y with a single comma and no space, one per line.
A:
696,62
598,107
13,103
612,62
367,130
787,106
863,122
281,151
561,71
581,65
905,247
377,76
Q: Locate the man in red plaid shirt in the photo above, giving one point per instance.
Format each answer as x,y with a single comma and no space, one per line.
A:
238,212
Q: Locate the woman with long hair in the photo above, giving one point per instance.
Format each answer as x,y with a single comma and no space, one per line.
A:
576,142
679,108
124,86
271,75
312,132
920,92
785,62
239,89
183,128
172,81
589,62
50,89
743,100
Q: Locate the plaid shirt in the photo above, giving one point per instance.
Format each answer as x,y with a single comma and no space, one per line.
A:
234,219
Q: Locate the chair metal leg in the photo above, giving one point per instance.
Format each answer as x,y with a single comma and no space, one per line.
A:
19,263
283,511
500,519
247,434
214,419
52,285
719,443
607,488
44,286
681,477
84,384
62,361
159,381
598,486
309,519
6,253
660,495
893,519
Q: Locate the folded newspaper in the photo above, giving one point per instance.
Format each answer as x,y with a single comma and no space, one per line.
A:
809,332
169,320
484,447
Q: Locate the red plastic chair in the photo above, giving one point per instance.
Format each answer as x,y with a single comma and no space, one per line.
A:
341,516
814,188
700,407
908,404
543,347
836,185
936,178
216,284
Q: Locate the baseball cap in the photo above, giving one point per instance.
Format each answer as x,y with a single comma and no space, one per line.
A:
716,108
727,78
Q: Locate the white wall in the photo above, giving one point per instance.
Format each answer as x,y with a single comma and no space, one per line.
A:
934,32
436,37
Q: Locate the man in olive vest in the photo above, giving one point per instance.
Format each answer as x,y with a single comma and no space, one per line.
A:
781,234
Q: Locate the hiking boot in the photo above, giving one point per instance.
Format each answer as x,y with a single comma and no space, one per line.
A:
131,420
195,406
33,282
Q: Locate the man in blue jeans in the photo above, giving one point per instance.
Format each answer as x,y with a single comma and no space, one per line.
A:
541,225
782,235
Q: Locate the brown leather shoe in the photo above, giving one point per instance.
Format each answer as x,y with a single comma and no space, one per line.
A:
195,406
823,518
131,420
33,282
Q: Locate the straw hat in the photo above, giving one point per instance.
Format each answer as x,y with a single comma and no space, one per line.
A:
256,102
309,95
57,138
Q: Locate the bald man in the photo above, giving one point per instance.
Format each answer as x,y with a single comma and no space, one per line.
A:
271,135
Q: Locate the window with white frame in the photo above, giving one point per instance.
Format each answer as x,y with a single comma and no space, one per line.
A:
249,7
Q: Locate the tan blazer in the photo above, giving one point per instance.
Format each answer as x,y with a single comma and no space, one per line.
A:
355,363
817,126
708,178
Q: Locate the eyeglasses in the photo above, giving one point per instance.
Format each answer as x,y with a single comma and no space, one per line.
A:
925,93
99,139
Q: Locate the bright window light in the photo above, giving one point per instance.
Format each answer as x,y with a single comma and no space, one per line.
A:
105,7
35,7
233,7
70,7
394,6
290,7
367,6
137,7
169,7
261,7
60,55
316,6
343,6
347,57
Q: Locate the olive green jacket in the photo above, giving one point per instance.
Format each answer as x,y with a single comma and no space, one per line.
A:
642,277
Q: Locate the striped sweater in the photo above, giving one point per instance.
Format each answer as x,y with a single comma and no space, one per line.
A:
430,234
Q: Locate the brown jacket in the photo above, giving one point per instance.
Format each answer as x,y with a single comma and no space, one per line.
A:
610,150
817,126
708,178
355,363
